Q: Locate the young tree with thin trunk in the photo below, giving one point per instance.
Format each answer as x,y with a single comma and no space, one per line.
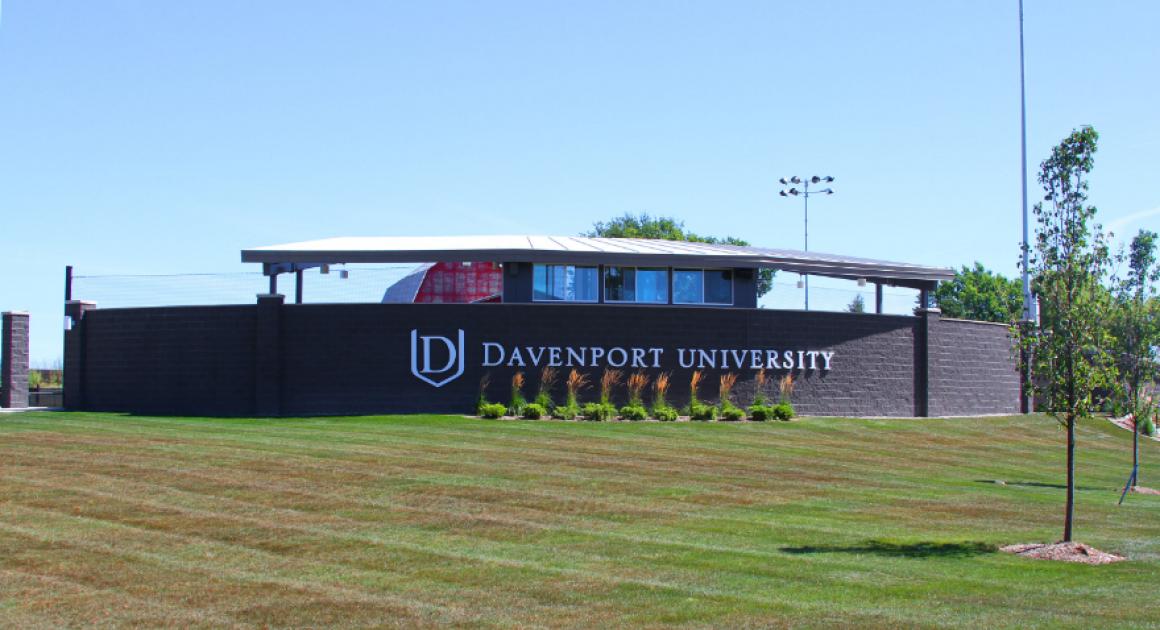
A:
1070,259
1136,332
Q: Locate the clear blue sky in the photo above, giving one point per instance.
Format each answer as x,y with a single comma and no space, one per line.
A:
139,136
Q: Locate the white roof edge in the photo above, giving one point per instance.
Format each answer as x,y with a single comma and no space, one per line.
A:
583,250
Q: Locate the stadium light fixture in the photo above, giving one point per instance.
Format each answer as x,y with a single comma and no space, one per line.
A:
804,193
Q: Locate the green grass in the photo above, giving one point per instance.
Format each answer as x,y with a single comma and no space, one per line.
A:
425,520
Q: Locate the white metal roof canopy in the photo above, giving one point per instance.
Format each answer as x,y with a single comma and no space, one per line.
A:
585,250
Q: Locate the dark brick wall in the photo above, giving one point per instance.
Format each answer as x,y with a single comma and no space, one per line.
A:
974,369
181,360
355,358
362,365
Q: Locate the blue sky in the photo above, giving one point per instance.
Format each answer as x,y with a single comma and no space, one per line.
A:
164,137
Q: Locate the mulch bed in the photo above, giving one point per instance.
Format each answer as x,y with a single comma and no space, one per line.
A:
1145,490
1064,552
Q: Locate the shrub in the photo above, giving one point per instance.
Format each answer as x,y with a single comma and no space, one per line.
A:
761,413
34,379
516,407
703,413
1148,426
492,410
566,412
664,414
598,412
633,412
783,411
732,414
534,411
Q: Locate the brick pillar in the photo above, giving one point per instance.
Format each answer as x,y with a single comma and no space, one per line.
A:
927,318
268,356
14,360
74,353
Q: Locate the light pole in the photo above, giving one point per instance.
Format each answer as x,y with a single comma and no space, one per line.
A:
805,193
1029,315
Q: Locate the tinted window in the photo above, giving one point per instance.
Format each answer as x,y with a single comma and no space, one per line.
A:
564,283
652,286
687,286
718,286
619,284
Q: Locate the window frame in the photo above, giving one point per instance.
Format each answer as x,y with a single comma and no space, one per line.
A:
668,285
546,266
732,286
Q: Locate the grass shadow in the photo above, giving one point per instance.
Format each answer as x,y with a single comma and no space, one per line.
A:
1036,484
924,549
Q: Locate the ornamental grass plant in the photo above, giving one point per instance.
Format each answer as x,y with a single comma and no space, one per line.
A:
760,411
481,399
548,378
516,406
635,409
661,409
785,387
573,385
609,379
783,410
698,410
636,383
729,411
759,380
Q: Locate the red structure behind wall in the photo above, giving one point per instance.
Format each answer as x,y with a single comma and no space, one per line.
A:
459,283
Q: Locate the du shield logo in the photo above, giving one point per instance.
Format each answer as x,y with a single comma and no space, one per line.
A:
433,358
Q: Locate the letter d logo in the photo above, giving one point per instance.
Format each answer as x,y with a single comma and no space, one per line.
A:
421,365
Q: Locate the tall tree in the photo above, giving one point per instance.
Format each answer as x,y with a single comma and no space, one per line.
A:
980,294
1070,259
667,228
1136,333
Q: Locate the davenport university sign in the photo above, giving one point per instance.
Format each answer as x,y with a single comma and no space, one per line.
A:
336,359
438,360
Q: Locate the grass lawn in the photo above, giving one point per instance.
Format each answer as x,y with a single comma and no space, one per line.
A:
434,520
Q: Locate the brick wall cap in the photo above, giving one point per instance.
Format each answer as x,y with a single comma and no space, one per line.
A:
975,321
